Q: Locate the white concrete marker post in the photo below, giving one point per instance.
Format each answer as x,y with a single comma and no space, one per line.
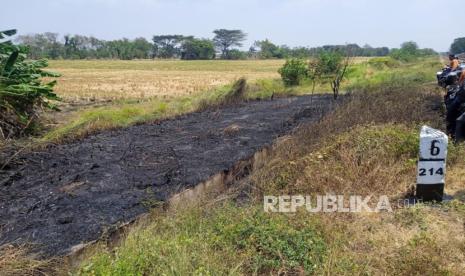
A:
432,164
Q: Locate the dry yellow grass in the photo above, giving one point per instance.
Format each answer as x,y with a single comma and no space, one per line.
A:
15,260
85,80
104,80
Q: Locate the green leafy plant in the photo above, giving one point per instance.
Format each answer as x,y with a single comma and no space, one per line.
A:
22,91
330,66
274,243
293,72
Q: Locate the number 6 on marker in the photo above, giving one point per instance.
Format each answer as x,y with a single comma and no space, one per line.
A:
435,150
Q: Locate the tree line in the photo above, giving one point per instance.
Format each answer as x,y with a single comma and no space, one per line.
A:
225,45
52,46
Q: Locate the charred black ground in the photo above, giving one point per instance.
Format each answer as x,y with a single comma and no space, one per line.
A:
70,194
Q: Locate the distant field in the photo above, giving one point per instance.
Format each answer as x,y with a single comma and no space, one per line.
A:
99,80
103,80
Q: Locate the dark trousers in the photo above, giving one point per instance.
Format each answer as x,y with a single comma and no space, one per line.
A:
460,128
453,112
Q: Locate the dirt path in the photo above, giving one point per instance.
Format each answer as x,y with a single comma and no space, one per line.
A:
70,194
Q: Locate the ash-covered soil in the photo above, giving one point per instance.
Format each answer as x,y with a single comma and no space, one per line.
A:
72,193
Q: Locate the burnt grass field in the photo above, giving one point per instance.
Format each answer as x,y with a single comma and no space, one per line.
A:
71,194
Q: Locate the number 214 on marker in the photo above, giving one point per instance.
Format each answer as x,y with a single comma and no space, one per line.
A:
431,172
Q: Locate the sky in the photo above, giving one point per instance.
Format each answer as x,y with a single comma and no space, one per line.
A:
291,22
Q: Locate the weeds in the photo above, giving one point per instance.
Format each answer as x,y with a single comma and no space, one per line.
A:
420,256
225,240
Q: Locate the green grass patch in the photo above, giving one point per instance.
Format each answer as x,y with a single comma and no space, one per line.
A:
386,73
227,240
121,115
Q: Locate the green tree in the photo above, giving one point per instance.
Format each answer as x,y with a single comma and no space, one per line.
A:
124,49
142,49
197,49
168,46
407,52
22,91
269,50
225,39
328,62
293,72
458,46
410,47
76,46
42,45
330,66
49,45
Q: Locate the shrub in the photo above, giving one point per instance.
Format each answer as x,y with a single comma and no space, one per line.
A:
293,72
22,91
328,62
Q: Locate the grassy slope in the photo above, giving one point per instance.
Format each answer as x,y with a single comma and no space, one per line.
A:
368,146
